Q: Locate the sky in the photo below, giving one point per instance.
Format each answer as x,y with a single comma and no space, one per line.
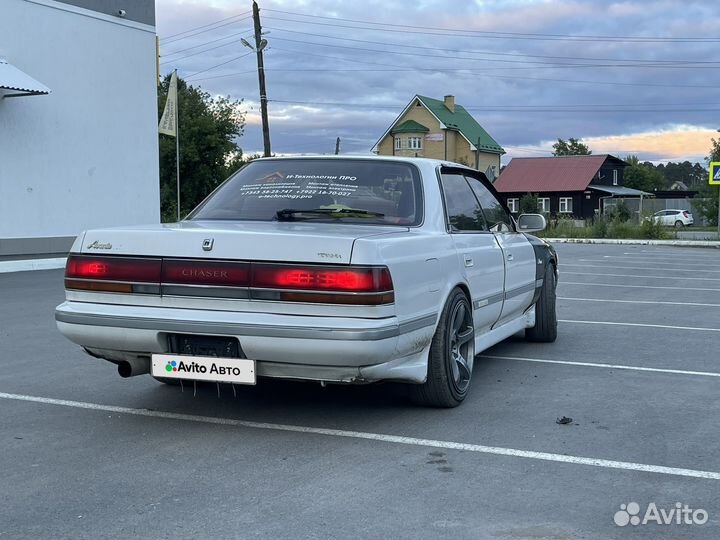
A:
634,77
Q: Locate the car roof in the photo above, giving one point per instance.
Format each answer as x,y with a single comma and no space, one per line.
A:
400,159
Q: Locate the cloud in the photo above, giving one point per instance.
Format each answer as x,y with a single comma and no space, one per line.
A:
519,87
676,143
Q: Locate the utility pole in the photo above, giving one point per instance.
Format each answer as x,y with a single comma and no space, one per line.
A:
259,46
337,146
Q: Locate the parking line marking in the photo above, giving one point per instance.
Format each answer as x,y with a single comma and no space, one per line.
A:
32,264
641,276
561,282
606,366
613,323
654,267
656,260
638,301
395,439
665,253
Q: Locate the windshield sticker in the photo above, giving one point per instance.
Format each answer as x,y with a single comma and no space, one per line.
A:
300,186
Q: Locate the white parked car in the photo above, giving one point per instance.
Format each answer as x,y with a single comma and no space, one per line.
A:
673,218
334,269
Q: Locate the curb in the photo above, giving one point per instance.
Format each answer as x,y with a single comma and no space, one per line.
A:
638,242
31,264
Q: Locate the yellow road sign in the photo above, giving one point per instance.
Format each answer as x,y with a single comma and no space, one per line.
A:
715,173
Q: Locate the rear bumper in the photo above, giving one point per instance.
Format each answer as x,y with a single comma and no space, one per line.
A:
343,349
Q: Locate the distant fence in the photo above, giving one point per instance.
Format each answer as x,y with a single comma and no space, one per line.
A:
652,205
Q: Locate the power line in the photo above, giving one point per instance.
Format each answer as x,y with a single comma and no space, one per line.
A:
204,50
466,70
229,75
205,43
167,40
491,53
486,33
513,108
218,65
546,64
462,71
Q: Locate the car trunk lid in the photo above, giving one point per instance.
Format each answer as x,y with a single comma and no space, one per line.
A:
309,242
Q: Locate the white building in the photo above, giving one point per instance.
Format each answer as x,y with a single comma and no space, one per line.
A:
78,120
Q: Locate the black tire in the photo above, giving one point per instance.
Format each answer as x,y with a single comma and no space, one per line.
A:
451,356
545,329
679,224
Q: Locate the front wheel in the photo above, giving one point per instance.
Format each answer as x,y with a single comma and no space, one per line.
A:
545,329
452,354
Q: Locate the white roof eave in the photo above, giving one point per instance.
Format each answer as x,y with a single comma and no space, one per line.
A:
19,83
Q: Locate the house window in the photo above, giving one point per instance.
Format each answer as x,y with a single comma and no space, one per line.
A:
544,205
513,205
566,205
398,143
614,177
415,143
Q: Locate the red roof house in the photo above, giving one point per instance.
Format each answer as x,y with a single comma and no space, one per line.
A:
571,185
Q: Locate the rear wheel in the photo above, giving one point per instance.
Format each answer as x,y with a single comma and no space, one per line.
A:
679,224
452,353
545,329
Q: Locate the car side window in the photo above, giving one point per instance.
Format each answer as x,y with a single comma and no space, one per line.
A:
497,218
463,210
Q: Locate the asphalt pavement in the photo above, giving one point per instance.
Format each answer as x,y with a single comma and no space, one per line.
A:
86,454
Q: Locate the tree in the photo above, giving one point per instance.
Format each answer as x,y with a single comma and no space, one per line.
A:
642,176
209,152
571,147
529,204
707,200
620,212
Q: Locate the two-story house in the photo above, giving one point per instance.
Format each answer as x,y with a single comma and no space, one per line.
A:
441,129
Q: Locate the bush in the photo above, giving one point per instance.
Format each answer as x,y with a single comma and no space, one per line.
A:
529,204
599,227
602,227
620,212
619,229
649,228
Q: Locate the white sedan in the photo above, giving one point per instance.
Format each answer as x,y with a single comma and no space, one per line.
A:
333,269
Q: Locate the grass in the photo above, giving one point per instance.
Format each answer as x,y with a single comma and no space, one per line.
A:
602,227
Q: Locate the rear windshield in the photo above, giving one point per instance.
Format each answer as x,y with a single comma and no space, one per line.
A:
348,190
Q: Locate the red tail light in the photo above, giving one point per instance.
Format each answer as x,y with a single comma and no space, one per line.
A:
322,278
115,274
363,285
685,213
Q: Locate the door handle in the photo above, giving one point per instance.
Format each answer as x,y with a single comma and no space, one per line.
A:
468,260
510,257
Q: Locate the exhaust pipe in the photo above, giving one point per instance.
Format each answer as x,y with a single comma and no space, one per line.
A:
134,367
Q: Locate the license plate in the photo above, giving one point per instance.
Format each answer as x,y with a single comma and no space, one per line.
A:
204,368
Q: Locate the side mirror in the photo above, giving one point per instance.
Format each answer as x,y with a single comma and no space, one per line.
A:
531,222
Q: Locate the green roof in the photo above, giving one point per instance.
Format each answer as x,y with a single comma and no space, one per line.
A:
463,122
410,126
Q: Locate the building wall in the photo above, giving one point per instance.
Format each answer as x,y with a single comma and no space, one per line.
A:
583,207
87,154
489,160
431,149
138,10
604,175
